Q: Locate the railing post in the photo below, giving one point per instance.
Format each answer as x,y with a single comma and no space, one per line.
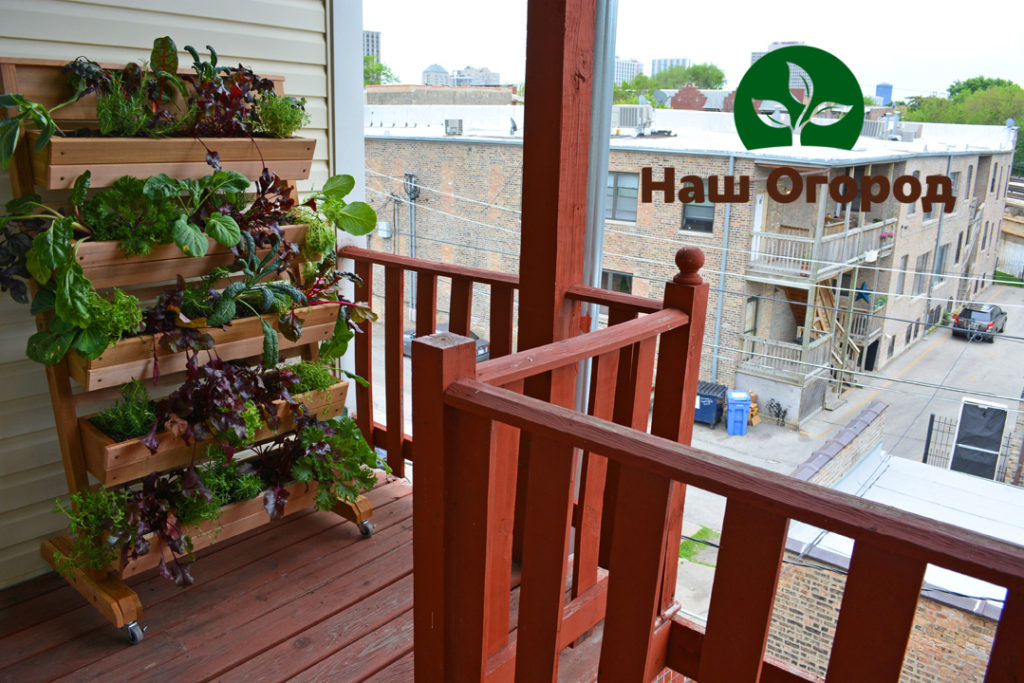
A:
437,361
648,519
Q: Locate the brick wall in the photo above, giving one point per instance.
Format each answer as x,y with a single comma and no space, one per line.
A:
689,97
830,463
947,644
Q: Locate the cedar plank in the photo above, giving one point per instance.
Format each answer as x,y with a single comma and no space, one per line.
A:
397,672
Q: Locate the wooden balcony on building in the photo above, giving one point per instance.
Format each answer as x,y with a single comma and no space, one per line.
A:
777,359
533,528
792,256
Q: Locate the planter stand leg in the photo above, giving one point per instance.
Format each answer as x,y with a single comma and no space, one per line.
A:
109,595
358,512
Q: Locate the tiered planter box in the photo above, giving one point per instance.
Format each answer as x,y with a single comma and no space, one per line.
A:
56,166
134,357
118,462
106,265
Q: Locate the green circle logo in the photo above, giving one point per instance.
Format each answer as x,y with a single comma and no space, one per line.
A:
768,114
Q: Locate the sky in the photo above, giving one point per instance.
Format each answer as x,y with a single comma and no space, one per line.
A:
918,47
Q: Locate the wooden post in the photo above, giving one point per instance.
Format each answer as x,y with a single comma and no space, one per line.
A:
559,66
647,505
437,361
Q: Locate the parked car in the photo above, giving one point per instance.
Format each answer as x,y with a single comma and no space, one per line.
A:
483,347
979,321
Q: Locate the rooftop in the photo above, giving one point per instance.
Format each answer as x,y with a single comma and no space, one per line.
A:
693,132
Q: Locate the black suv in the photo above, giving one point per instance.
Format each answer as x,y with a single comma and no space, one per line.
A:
980,321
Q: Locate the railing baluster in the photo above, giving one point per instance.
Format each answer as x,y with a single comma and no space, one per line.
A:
746,573
364,355
592,479
426,304
394,362
461,306
502,300
549,493
880,583
1006,663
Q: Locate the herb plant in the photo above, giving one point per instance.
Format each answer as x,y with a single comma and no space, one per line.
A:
313,376
130,417
99,526
280,117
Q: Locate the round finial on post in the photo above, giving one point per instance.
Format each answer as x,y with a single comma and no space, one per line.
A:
689,260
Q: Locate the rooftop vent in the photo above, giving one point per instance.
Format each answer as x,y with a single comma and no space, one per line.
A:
453,126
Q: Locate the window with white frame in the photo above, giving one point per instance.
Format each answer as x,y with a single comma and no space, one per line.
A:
699,216
623,190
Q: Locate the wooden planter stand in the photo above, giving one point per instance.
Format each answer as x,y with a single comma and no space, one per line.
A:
84,450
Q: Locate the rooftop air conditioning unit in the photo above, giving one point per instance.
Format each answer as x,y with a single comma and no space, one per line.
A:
637,117
453,126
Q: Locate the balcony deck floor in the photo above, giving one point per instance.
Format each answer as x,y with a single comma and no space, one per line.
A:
302,599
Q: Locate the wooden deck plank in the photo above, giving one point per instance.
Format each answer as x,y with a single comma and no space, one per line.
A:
366,656
310,647
81,636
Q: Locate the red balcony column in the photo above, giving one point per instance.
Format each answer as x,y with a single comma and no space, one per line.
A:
559,70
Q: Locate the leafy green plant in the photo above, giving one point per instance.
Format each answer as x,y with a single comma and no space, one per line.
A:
10,127
355,218
125,213
99,526
131,417
280,117
320,235
191,196
313,376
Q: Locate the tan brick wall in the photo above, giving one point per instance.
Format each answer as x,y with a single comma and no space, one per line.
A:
832,461
947,644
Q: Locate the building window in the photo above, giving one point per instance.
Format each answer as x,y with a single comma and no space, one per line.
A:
992,186
901,279
984,237
910,330
623,189
892,345
699,216
616,281
959,243
967,188
940,263
920,272
955,179
917,327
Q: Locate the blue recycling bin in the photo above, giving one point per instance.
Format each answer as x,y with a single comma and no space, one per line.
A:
739,412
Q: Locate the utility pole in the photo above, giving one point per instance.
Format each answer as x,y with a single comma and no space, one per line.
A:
412,191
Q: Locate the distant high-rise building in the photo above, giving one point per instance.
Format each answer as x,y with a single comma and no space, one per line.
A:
795,80
627,70
884,91
473,76
371,44
659,65
435,74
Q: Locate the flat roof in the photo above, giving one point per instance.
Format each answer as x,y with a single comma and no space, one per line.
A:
693,132
981,505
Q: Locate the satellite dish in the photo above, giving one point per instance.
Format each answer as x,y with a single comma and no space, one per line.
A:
1010,123
514,126
643,100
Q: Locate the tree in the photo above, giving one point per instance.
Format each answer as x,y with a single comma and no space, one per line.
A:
375,73
973,85
705,76
977,100
630,91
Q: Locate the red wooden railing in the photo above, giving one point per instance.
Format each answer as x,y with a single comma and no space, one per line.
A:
502,291
469,422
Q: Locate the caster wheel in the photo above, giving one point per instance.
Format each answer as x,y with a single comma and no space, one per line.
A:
134,632
366,529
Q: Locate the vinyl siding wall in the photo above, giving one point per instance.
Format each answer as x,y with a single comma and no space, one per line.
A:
279,37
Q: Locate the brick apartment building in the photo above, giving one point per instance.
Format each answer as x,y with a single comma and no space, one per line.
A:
875,280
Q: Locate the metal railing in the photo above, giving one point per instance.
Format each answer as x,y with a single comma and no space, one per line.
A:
794,255
780,359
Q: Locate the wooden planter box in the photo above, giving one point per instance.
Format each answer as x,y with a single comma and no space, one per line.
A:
56,166
106,265
237,518
118,462
134,357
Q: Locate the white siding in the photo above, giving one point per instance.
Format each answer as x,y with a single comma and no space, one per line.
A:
279,37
